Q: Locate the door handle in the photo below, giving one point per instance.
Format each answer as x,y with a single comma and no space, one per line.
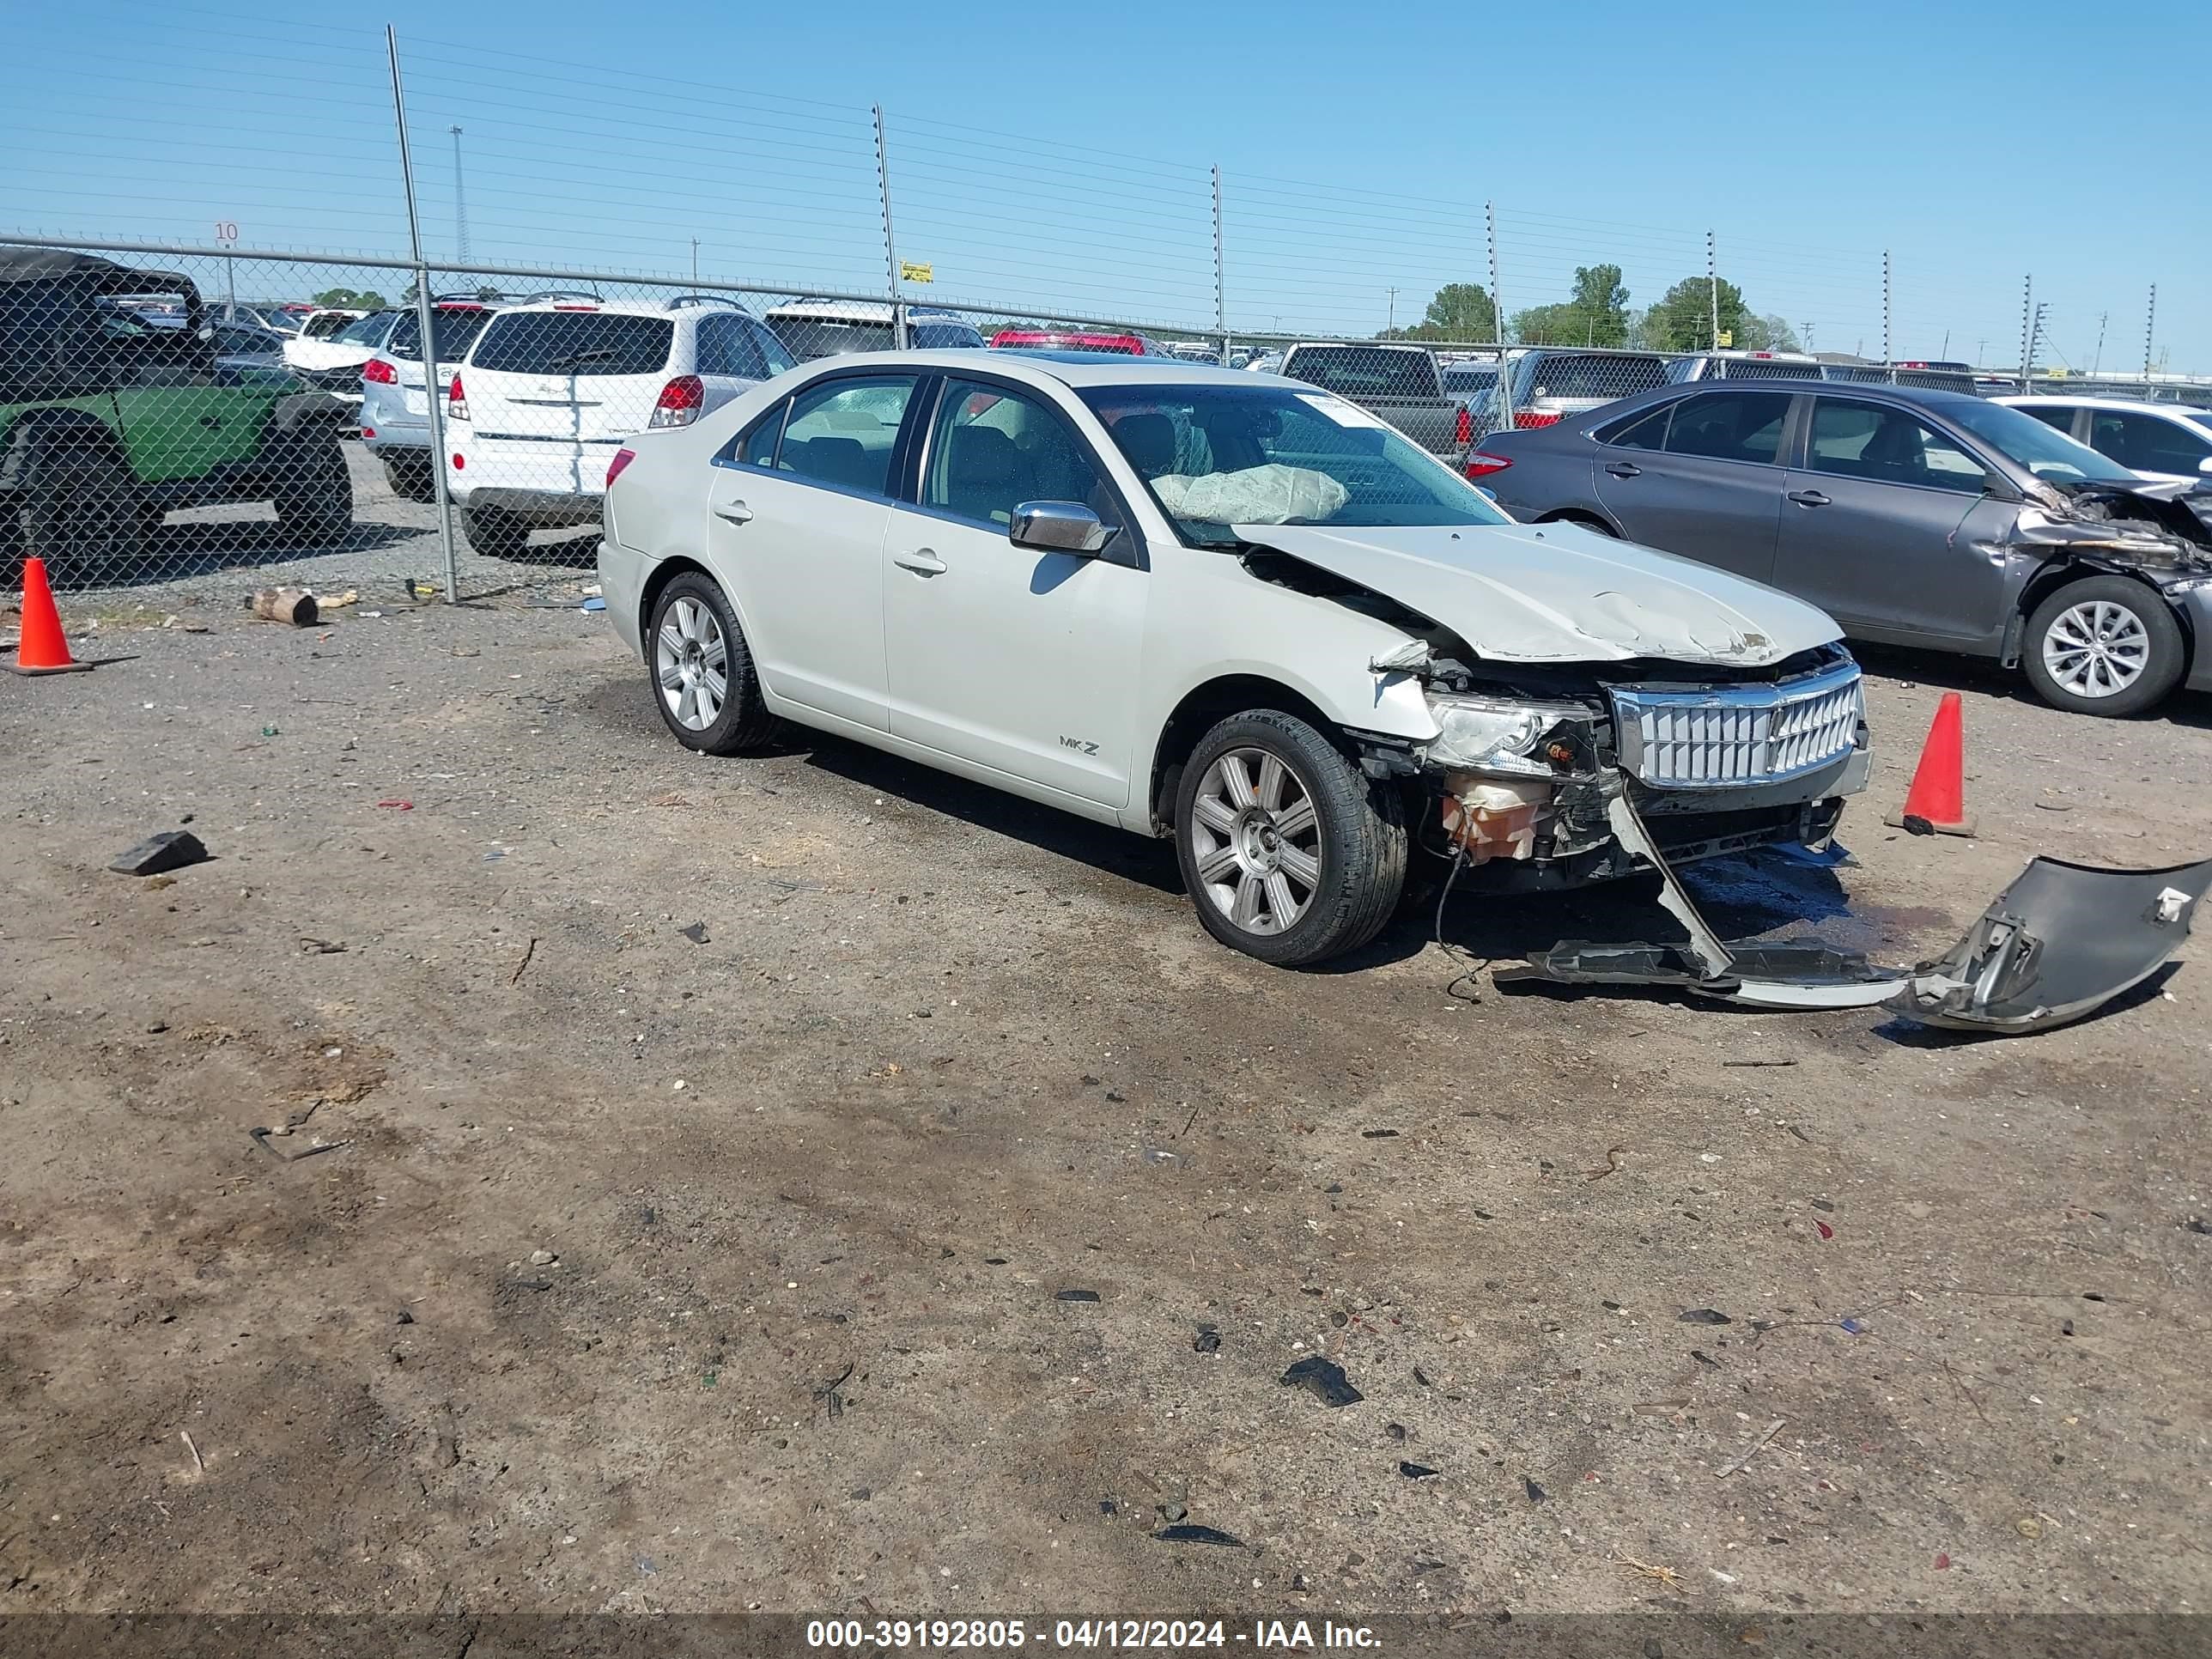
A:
1623,469
734,512
1808,498
921,561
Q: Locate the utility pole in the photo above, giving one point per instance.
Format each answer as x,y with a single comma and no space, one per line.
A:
694,262
1886,353
1713,287
1220,277
2098,362
891,242
2027,326
1981,351
2150,321
460,204
1390,326
1497,323
1808,330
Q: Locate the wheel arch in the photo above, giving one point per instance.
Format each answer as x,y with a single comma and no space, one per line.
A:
1204,705
77,426
1583,515
2053,577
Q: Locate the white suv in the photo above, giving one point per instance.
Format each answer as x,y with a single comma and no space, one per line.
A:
550,390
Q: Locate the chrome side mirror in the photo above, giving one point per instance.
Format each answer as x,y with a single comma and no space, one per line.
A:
1057,527
2205,465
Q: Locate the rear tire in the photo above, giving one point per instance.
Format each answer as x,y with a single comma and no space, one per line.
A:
410,480
313,491
1289,851
703,680
1584,521
494,534
2109,646
80,511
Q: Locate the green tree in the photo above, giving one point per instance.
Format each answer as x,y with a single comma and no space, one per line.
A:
347,298
1603,303
1682,318
1767,333
1460,311
1553,324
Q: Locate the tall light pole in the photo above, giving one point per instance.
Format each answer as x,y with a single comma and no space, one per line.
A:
1391,326
460,204
694,262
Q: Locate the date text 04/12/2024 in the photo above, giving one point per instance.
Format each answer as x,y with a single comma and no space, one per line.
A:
949,1634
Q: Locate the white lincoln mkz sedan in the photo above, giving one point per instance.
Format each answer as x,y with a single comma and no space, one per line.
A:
1222,606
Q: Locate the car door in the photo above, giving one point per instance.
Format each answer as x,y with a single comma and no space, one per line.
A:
1008,658
2144,442
797,506
1883,525
1708,485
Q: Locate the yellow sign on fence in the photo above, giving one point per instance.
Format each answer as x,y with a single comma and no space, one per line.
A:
911,272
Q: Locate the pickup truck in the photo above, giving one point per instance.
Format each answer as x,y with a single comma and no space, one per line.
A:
1400,384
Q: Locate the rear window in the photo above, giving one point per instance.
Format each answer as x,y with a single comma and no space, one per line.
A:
453,332
809,338
1578,376
944,336
1364,372
1470,380
583,342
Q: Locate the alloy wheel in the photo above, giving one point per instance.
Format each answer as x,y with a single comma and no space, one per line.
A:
1255,841
2096,648
692,660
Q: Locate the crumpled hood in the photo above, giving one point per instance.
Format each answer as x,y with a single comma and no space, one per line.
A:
1557,592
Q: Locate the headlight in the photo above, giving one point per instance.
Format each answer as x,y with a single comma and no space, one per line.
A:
1486,736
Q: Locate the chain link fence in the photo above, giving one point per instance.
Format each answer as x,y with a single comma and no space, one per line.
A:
176,411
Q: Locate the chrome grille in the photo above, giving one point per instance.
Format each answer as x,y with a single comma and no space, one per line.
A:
1726,737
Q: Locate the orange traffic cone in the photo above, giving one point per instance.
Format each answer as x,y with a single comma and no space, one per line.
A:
44,649
1937,799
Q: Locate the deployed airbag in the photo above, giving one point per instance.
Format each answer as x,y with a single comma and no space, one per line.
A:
1273,493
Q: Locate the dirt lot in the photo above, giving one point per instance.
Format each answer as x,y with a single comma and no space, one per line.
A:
933,1229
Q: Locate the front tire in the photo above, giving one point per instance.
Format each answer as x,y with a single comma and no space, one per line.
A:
2109,646
1289,852
703,680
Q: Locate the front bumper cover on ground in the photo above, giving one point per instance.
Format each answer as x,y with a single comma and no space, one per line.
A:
2060,942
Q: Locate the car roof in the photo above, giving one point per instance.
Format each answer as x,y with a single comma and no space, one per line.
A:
2143,405
1075,369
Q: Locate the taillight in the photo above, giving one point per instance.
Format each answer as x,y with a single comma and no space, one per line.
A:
615,468
377,372
368,432
457,401
1525,418
1463,433
1480,466
681,400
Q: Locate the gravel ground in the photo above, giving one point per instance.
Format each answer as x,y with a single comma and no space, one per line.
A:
929,1227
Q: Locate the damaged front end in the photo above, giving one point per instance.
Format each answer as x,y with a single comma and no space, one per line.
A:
2150,530
1526,778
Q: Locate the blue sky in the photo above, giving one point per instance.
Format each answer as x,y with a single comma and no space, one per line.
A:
1038,160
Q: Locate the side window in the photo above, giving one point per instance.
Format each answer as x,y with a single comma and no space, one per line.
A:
2147,443
726,347
990,450
771,349
1730,426
757,445
841,432
2062,417
1645,431
1872,441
